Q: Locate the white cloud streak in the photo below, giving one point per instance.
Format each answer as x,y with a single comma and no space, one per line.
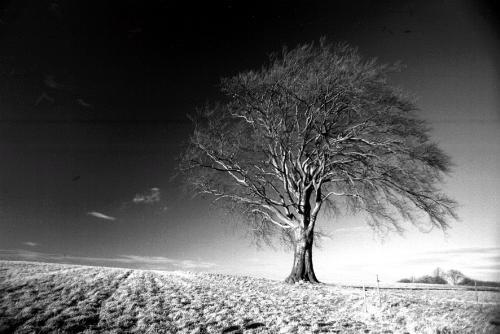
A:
100,215
190,264
160,260
132,261
150,197
477,263
30,243
355,229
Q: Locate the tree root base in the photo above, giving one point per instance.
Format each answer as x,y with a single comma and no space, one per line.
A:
294,279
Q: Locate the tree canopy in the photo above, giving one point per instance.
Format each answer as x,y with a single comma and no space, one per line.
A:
318,126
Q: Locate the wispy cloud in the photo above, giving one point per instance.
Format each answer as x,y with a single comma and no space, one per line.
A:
354,229
185,264
457,258
190,264
19,254
474,262
100,215
467,250
131,261
486,266
149,197
30,243
478,263
146,259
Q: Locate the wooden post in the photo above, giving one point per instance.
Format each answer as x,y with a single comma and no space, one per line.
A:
364,298
477,295
378,291
475,289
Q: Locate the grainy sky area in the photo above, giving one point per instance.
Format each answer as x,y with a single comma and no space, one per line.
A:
93,104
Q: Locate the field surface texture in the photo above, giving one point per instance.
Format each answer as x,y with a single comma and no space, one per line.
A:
51,298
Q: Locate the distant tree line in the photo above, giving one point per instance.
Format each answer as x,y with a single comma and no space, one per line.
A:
451,277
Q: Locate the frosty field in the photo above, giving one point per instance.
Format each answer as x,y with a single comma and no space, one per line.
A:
48,298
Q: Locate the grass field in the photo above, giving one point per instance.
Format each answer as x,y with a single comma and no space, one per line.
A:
51,298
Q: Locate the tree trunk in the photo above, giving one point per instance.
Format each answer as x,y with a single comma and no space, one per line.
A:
302,262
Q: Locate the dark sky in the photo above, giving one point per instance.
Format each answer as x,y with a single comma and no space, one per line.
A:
94,97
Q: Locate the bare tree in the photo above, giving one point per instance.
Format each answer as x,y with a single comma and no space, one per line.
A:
318,127
438,272
455,276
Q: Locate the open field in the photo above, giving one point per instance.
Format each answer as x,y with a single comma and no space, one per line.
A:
47,298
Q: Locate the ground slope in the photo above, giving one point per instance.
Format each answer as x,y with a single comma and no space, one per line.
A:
43,298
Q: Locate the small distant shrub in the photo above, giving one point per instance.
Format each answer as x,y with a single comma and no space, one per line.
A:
404,280
468,281
431,280
440,280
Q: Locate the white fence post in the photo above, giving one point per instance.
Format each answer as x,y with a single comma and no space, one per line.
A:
378,291
477,295
364,298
